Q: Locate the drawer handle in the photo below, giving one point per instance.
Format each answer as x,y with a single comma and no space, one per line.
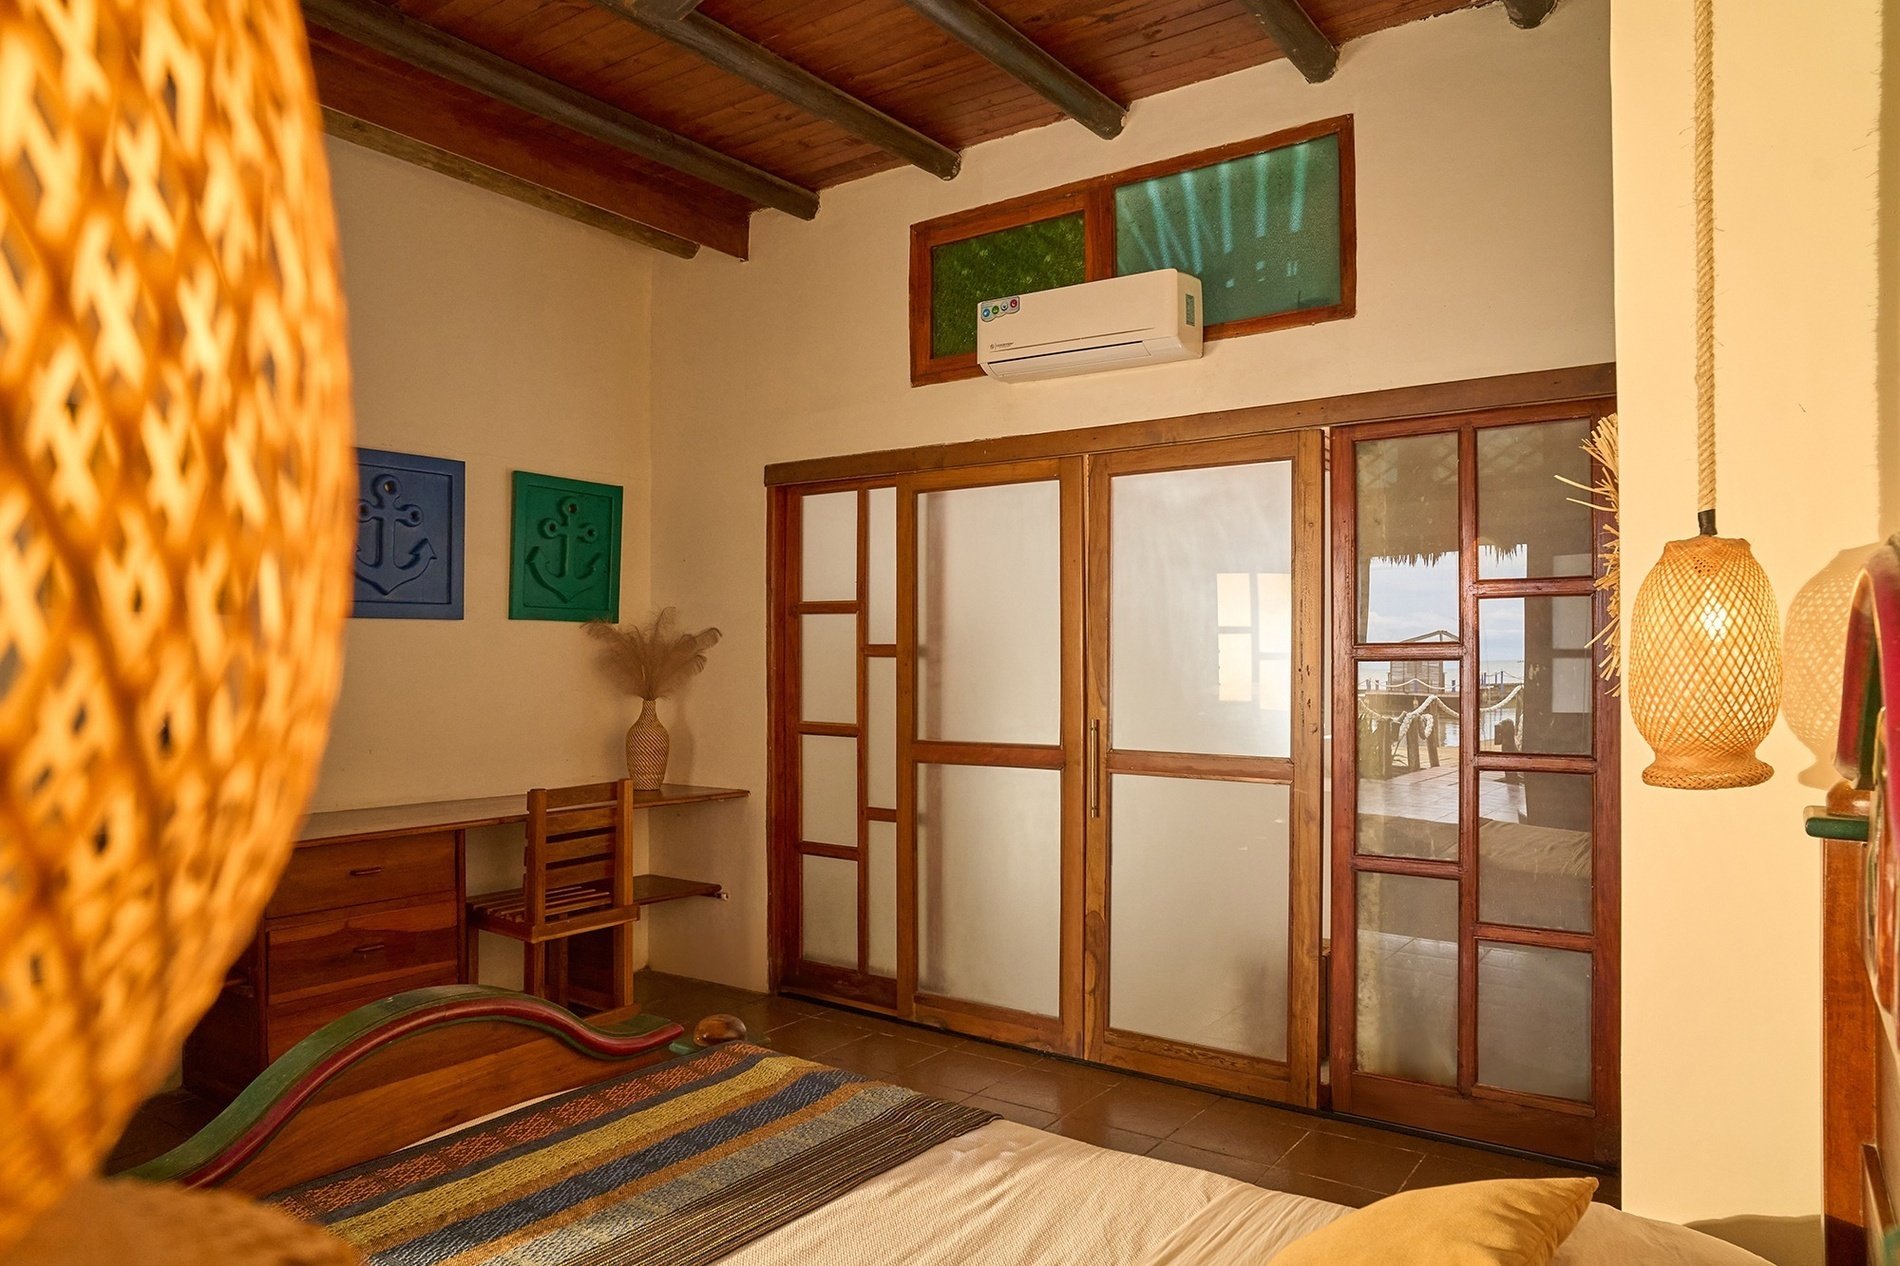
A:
374,947
364,872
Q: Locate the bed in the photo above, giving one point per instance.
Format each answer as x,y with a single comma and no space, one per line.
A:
1860,945
464,1125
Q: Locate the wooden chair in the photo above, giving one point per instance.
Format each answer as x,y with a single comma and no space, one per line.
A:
578,877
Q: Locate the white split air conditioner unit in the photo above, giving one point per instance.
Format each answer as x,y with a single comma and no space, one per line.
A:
1141,319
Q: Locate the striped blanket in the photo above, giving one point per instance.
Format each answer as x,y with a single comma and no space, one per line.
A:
679,1164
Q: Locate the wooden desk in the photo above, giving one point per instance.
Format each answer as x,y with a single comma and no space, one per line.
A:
373,902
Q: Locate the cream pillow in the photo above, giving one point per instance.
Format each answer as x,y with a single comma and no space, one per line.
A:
1503,1222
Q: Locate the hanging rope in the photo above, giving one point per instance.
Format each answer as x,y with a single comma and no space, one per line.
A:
1705,262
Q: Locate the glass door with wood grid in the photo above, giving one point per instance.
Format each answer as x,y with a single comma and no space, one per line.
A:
1205,599
926,766
834,752
1474,784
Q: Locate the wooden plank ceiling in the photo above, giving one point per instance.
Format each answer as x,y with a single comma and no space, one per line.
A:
481,110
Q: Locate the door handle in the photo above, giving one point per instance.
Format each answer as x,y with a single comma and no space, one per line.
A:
374,947
364,872
1095,769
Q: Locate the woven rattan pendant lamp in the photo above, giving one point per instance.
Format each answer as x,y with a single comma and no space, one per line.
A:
1705,641
176,518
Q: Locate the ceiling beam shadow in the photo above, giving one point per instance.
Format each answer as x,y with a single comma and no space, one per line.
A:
1528,14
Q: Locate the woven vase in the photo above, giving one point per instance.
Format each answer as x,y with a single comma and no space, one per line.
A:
648,747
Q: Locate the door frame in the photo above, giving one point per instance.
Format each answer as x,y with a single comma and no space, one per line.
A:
1557,1127
1296,1079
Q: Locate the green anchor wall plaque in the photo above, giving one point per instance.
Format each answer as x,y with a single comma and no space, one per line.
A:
565,560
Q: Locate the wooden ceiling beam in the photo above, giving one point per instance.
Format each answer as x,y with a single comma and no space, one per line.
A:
390,32
422,154
1529,14
762,68
973,23
383,92
1299,37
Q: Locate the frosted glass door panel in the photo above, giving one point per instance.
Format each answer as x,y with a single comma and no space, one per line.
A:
880,733
1201,632
989,598
1199,912
989,885
1534,1020
829,888
1408,977
828,668
830,786
880,877
881,553
829,547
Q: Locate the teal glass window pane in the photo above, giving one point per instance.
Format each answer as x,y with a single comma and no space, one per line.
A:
1039,256
1261,232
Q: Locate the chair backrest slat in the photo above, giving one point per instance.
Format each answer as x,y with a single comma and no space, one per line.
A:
580,834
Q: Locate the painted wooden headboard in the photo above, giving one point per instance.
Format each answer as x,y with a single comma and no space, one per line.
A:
1860,963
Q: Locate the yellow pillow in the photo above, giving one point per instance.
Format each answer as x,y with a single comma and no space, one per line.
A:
1503,1222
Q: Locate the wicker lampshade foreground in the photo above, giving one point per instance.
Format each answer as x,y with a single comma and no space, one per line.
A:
175,491
1705,664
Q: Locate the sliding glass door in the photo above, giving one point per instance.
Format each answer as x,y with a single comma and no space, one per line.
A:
989,849
1474,749
1050,758
1205,617
1050,742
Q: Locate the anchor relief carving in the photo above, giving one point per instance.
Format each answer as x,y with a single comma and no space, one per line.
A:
571,570
388,567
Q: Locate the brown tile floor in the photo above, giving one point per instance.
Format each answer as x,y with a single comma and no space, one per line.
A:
1342,1161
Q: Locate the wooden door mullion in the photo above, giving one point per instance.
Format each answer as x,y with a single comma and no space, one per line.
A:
1096,742
1468,723
906,741
1073,969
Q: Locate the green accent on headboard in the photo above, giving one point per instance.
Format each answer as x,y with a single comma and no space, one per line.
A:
1039,256
1261,232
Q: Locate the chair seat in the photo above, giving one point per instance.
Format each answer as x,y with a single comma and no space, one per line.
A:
506,912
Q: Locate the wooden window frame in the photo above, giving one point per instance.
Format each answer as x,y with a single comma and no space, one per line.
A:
1094,199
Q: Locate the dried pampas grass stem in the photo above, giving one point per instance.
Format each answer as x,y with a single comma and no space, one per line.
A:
653,660
1601,446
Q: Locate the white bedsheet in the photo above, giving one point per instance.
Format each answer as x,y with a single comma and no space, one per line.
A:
1007,1195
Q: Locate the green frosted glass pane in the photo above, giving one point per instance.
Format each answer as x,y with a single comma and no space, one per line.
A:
1261,232
1039,256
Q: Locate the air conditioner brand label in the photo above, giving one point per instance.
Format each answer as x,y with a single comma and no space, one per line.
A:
1000,308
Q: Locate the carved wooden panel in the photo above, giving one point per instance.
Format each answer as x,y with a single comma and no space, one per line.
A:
409,515
565,561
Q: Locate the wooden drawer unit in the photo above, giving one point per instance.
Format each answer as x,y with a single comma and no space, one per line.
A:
313,957
335,876
351,923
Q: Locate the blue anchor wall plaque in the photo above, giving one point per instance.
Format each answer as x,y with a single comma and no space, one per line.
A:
408,536
565,562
